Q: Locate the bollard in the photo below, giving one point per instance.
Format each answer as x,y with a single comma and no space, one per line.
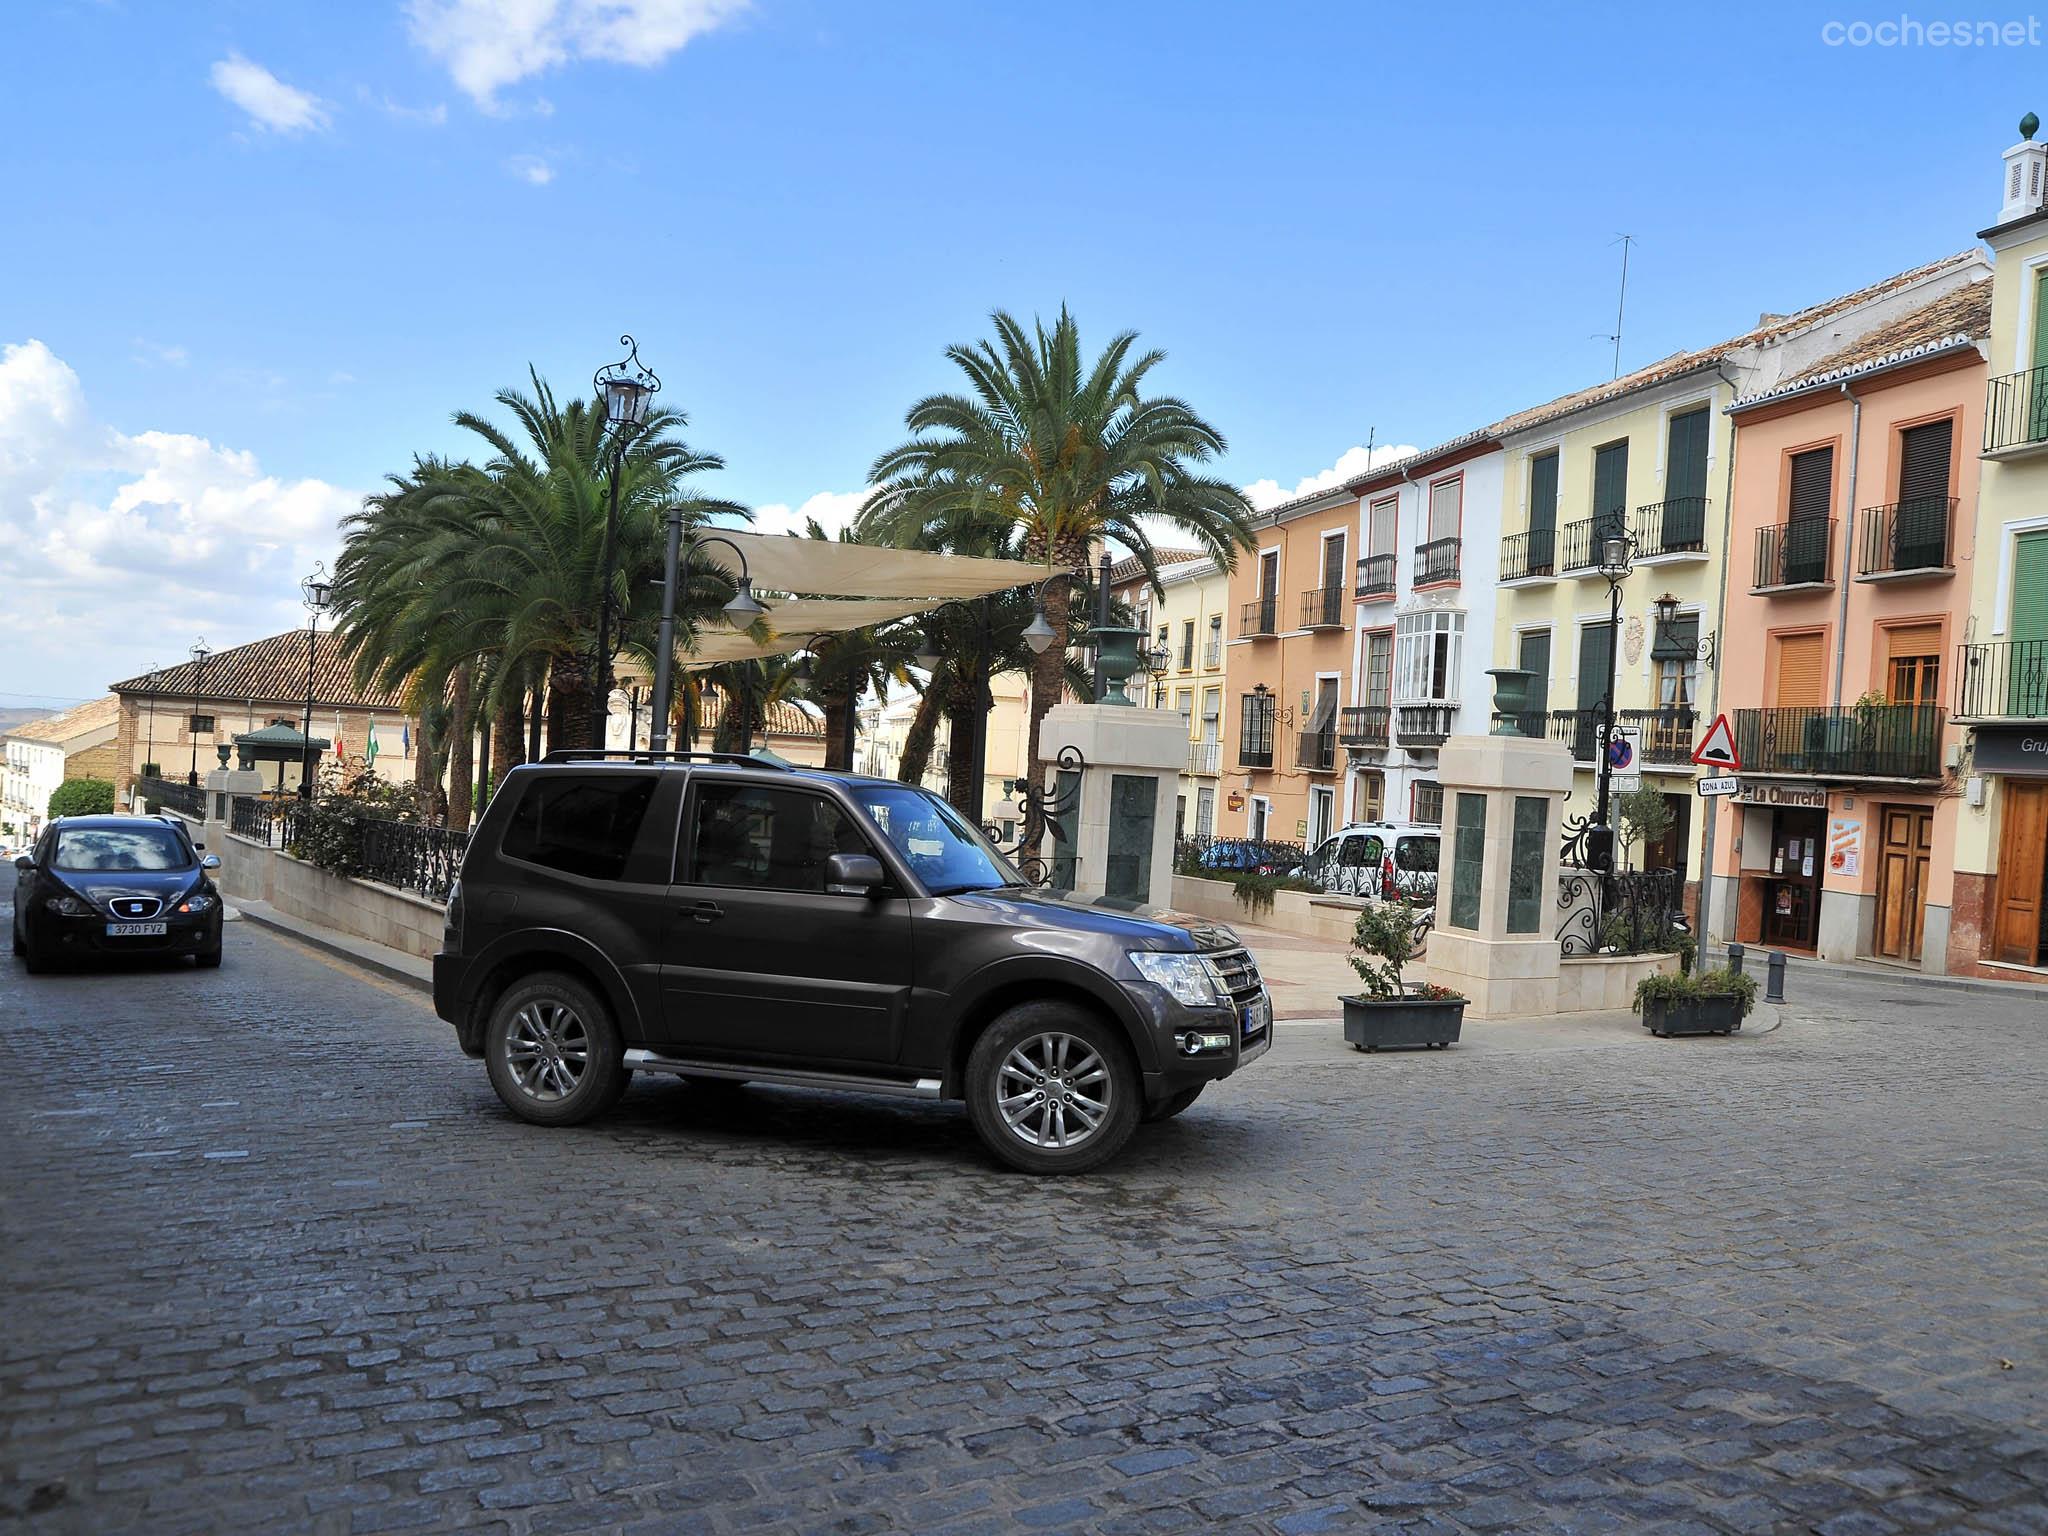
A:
1774,977
1735,958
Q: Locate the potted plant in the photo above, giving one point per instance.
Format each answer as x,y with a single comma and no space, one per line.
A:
1387,936
1711,1003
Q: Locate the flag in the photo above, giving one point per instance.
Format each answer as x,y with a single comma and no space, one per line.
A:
340,746
405,738
370,746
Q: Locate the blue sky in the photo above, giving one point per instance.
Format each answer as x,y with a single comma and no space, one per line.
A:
262,250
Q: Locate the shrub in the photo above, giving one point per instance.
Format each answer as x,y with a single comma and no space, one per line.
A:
83,797
1387,935
328,831
1671,990
1255,892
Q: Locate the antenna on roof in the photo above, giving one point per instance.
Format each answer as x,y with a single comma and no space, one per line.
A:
1621,303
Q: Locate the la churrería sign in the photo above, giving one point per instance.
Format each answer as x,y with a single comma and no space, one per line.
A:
1790,793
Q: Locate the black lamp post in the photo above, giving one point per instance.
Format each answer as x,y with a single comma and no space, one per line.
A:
155,681
627,388
318,593
740,612
200,651
1615,564
1705,647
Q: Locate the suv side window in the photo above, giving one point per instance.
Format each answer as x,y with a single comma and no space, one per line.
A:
582,826
766,839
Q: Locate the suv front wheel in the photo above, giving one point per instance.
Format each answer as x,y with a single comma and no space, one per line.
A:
1051,1088
552,1051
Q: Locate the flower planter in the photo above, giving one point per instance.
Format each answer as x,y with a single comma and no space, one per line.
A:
1370,1023
1705,1016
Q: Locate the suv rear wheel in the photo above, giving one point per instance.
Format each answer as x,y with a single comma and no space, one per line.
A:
1051,1089
552,1051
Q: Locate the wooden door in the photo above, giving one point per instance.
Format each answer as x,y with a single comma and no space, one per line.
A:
2019,908
1792,895
1905,847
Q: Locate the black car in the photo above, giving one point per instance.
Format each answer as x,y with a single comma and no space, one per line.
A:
96,886
727,921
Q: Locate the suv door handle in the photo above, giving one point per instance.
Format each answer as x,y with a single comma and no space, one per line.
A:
706,911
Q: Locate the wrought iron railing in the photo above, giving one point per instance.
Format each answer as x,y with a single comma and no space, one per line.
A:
1376,576
186,799
2016,411
1325,608
2007,680
1800,553
1582,541
1668,732
413,857
1578,729
1316,751
1212,653
1437,561
1879,741
1259,617
1523,555
1205,757
267,820
1422,725
1906,536
1236,855
1675,526
1365,725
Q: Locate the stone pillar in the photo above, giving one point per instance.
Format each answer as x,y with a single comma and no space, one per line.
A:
1131,761
222,785
1497,879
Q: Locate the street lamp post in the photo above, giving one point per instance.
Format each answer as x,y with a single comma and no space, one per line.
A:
1615,565
627,388
155,682
740,612
200,651
318,593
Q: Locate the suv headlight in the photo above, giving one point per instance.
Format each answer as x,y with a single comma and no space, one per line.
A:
1190,979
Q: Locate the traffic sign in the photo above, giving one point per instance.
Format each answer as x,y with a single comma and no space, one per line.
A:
1727,786
1625,758
1718,749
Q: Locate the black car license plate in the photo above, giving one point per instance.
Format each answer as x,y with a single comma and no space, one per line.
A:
136,930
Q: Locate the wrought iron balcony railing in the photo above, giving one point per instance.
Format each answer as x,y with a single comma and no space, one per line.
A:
2005,680
1668,732
1855,741
1376,576
1437,561
2016,413
1422,725
1364,725
1325,608
1316,752
1530,554
1674,527
1212,653
1205,757
1259,618
1906,538
1795,554
1583,539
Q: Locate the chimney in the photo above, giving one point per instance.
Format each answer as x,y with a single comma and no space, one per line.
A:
2026,174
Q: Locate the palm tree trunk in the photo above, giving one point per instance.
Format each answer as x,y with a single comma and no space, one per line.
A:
461,749
508,738
423,783
569,703
917,741
835,704
961,718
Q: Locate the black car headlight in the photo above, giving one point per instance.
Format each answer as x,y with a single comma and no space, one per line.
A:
67,906
196,903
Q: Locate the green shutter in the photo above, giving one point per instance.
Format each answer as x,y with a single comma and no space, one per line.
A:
2041,321
2030,587
1543,492
1596,665
1610,479
1685,469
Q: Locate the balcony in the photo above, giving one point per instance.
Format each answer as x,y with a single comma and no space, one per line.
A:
1255,754
2016,415
2005,680
1668,733
1437,561
1582,540
1205,758
1259,619
1794,556
1325,608
1423,725
1316,752
1364,725
1530,556
1672,530
1880,741
1212,653
1376,576
1578,729
1906,540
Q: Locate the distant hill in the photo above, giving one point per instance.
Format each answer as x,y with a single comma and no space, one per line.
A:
13,718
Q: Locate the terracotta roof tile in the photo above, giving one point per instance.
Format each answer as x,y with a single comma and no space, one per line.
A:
1130,568
1964,314
79,720
270,670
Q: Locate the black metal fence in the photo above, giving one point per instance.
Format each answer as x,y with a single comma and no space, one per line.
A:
406,854
421,859
1376,576
1438,560
1795,554
1676,526
1882,741
1325,608
1259,617
1235,855
185,799
1533,553
2016,411
1365,725
2007,678
1906,536
267,821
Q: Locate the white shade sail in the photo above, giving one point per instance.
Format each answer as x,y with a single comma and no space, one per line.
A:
778,563
790,624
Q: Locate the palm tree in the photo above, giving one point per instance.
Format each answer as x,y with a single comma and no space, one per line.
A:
1070,456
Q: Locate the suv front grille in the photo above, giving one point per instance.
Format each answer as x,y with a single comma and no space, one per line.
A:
1241,976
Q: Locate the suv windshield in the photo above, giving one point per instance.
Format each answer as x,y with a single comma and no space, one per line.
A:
947,855
119,849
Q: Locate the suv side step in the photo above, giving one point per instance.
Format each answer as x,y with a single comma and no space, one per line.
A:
787,1077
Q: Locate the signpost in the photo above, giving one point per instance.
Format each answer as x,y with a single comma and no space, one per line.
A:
1625,757
1717,750
1717,786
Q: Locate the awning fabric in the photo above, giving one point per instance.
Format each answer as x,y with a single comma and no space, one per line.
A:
791,623
779,563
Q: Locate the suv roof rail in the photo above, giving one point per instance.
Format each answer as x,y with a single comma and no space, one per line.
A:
647,755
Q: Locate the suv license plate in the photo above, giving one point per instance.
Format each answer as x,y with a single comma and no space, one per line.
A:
136,930
1258,1015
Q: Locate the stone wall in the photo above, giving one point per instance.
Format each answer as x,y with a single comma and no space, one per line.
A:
1300,912
380,913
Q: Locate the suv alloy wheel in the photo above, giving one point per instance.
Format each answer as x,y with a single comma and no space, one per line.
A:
552,1051
1051,1089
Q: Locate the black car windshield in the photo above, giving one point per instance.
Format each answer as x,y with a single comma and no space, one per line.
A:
946,853
121,850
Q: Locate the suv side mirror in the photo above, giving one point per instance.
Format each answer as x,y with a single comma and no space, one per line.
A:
853,874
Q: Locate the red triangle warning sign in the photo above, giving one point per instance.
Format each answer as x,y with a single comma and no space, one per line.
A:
1718,749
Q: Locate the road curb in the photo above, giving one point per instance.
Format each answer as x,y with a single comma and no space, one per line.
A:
1755,959
358,952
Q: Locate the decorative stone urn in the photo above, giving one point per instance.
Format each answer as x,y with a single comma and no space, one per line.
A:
1510,699
1116,652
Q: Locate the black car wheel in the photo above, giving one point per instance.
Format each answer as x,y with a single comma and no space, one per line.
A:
1173,1104
1051,1088
552,1051
208,959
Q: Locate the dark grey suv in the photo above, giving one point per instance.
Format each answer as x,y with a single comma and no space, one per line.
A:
727,920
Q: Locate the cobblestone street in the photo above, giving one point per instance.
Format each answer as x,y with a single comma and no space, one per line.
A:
274,1258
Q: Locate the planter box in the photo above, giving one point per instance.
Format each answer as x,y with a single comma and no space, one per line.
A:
1707,1016
1370,1024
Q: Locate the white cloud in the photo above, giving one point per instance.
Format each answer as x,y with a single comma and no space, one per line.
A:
148,352
531,169
1352,463
269,102
834,510
490,44
434,115
120,548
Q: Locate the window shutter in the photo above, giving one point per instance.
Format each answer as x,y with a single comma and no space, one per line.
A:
2030,583
1685,466
1596,665
1813,477
1802,669
1269,574
1610,479
1333,564
1383,518
1444,501
1924,461
1913,640
1535,657
1677,641
1543,492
